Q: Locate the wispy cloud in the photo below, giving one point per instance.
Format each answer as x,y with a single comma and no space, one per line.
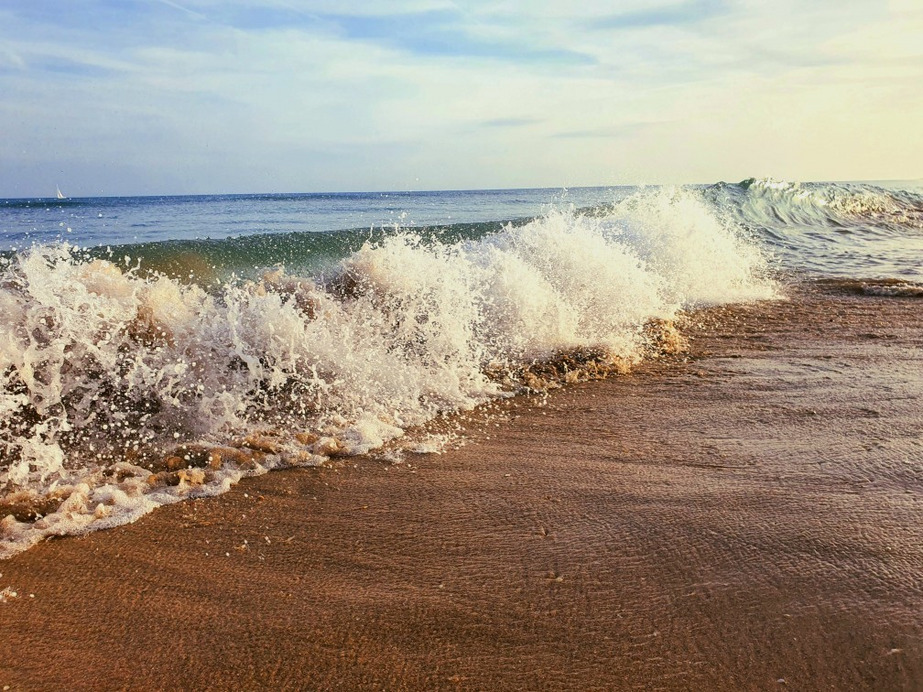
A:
10,59
181,8
681,13
628,129
510,122
445,33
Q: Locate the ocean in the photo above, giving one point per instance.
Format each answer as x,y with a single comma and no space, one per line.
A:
154,349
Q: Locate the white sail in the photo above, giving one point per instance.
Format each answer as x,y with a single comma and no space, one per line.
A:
60,194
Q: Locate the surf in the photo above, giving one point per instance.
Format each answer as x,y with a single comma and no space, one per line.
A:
125,388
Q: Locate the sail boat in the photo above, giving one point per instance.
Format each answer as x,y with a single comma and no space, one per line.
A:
60,194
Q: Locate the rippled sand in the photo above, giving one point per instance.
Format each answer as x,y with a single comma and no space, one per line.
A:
751,518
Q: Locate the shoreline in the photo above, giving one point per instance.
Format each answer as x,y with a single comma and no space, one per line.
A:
750,519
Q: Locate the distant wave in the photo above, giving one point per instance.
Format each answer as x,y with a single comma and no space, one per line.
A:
840,229
837,205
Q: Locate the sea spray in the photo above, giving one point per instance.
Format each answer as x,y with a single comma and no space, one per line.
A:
123,389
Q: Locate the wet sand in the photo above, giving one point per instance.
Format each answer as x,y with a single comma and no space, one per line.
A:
751,518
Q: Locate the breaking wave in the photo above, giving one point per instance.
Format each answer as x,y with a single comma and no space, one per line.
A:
832,229
123,389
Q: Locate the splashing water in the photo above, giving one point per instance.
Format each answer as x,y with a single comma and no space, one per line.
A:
122,390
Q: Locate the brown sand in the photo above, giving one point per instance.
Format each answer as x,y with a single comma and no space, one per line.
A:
751,519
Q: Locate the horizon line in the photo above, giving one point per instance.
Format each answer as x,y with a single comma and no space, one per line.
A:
443,190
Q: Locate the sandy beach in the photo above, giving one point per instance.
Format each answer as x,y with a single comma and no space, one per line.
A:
748,517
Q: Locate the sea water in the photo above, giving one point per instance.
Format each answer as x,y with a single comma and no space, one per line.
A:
158,348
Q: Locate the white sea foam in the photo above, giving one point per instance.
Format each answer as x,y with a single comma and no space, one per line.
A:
103,370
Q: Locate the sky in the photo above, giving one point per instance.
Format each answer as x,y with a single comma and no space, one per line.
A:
124,97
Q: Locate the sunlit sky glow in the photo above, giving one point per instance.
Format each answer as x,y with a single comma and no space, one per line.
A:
117,97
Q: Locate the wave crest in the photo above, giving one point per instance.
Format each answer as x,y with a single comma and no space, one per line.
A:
826,204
